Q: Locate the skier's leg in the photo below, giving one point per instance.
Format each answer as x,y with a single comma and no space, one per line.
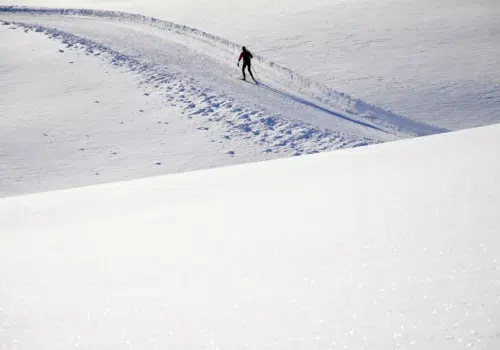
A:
250,71
243,70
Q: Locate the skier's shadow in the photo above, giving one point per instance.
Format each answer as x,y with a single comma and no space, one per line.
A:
317,107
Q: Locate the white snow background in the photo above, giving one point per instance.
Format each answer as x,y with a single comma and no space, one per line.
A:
393,246
385,246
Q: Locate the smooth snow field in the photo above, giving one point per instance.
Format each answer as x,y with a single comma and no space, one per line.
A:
392,246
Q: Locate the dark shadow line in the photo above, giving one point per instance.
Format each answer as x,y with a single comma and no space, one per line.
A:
315,106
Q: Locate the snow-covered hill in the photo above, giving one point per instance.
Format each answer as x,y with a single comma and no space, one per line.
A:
73,115
392,246
432,61
332,75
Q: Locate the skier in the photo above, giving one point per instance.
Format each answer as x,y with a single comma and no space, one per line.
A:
247,57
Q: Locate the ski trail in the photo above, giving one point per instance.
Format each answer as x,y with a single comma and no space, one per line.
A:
315,106
296,98
270,132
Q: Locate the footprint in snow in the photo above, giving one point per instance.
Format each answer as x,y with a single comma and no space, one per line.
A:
61,51
231,153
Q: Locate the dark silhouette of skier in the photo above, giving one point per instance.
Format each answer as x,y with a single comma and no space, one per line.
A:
246,56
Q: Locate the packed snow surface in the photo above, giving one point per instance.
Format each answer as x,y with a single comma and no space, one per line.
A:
391,246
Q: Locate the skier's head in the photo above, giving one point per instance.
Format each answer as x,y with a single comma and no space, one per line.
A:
244,48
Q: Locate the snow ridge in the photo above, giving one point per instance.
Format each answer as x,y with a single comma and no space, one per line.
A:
296,86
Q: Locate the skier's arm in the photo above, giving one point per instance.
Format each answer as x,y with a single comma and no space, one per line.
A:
239,59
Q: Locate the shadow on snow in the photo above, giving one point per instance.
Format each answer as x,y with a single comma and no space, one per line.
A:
317,107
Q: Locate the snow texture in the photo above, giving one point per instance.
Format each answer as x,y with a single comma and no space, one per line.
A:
191,112
389,246
73,115
432,61
354,111
364,248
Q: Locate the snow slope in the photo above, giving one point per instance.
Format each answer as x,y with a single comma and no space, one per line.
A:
72,115
170,51
380,247
69,118
435,62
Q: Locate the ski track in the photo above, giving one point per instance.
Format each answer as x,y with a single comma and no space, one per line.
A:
259,123
273,132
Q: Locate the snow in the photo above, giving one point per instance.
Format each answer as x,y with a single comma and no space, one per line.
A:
332,75
94,125
380,247
77,114
189,113
206,59
435,62
389,246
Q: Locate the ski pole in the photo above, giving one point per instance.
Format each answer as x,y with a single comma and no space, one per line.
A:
255,73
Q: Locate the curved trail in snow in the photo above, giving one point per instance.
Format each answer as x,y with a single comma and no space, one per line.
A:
198,70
